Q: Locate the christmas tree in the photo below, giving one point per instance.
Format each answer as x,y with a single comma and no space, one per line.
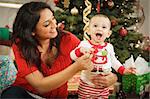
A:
126,18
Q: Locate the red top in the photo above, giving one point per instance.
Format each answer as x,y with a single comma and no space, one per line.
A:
68,43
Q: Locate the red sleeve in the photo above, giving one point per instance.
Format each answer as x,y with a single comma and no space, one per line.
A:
121,70
74,41
23,68
68,43
78,53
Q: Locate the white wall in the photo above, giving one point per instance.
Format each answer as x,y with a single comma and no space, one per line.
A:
7,16
145,29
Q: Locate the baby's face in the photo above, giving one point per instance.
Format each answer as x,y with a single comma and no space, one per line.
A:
99,29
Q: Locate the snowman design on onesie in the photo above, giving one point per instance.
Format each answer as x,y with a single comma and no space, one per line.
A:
101,60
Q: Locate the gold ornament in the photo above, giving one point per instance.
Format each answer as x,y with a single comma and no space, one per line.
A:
66,3
74,11
86,20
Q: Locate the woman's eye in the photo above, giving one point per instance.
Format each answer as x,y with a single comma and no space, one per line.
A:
53,18
46,24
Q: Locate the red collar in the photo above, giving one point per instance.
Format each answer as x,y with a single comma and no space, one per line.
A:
98,46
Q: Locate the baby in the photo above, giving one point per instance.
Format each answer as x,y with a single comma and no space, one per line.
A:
103,57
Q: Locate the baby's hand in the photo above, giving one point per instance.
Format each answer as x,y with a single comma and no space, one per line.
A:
131,70
85,50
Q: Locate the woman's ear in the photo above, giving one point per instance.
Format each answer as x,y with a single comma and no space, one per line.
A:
33,34
109,33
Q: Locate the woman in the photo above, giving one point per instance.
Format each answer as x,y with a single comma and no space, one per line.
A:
42,55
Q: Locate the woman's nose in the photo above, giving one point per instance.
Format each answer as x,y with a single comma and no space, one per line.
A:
53,24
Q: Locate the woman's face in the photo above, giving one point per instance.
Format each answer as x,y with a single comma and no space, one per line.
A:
46,27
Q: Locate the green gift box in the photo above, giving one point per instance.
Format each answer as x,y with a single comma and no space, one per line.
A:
4,34
135,83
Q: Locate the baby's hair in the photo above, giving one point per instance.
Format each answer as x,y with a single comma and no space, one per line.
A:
100,15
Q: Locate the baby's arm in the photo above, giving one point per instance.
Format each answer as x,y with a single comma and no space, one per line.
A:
79,51
83,48
118,66
130,70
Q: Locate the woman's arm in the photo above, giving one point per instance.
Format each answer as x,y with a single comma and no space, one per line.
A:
45,84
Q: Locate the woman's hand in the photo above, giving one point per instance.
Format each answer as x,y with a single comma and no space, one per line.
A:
85,50
84,62
104,81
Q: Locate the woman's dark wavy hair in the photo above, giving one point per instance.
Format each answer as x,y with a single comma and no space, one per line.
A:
24,24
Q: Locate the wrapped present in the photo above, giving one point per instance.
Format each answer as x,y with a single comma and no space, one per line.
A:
4,33
73,84
112,96
135,83
8,72
5,50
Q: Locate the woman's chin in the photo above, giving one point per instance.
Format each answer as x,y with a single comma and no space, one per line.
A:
53,35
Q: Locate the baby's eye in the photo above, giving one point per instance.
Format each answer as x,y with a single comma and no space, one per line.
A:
104,27
95,25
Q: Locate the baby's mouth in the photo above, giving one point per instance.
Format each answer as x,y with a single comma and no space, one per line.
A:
98,35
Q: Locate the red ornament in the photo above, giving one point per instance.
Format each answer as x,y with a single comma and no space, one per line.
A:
114,22
98,6
56,1
123,32
110,4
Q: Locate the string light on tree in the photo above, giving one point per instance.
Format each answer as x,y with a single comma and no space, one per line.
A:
122,4
131,44
126,6
137,46
121,10
81,7
125,24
